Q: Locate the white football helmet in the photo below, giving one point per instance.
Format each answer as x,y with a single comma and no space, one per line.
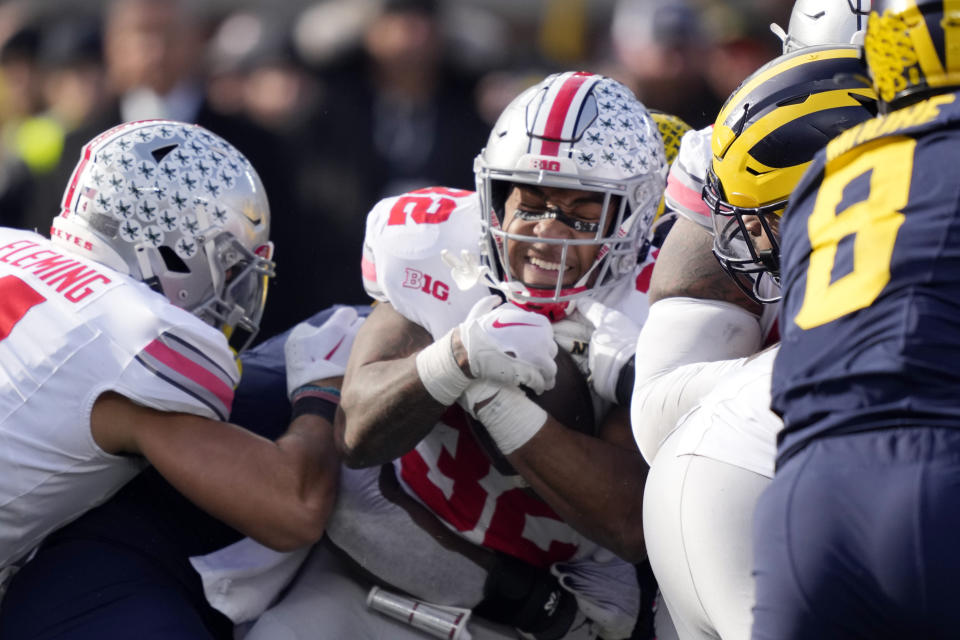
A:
573,130
817,22
179,208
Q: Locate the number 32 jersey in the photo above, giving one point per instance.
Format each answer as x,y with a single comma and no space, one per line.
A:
870,316
70,330
448,470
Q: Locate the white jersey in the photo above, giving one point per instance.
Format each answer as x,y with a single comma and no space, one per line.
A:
733,422
448,470
70,330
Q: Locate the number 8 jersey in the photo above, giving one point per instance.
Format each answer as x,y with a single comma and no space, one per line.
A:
870,317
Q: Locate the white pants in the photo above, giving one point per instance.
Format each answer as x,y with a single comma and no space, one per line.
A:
328,602
698,515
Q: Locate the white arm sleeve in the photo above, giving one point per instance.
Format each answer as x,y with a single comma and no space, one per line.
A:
685,346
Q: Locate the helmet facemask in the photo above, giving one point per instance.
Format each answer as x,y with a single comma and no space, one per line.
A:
735,241
233,298
616,253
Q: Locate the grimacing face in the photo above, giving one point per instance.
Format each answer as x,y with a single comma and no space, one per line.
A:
537,264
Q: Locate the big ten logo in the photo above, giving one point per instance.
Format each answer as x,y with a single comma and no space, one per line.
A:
414,279
546,165
426,206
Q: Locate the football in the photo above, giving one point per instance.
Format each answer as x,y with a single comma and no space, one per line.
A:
569,401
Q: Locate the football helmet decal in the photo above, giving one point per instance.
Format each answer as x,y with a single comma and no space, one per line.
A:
573,130
179,208
764,138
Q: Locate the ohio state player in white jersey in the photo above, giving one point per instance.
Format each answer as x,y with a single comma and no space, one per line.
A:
72,331
447,470
567,189
114,349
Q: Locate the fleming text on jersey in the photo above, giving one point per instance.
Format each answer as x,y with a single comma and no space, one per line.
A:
73,279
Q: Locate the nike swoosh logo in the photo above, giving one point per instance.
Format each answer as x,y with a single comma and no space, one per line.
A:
249,215
334,350
500,325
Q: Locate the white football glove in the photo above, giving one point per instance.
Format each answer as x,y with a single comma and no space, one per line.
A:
314,353
606,590
613,343
509,345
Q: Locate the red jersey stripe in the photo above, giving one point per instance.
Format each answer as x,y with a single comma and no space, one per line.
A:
192,370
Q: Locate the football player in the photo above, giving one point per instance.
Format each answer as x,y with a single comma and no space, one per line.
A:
687,268
703,311
475,290
714,462
859,519
147,563
118,342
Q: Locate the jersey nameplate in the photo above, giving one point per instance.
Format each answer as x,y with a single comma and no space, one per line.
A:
75,281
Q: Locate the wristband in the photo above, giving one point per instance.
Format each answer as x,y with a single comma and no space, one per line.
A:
314,400
511,418
440,373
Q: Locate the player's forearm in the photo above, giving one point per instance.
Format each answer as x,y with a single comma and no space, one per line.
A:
679,335
384,412
595,486
279,493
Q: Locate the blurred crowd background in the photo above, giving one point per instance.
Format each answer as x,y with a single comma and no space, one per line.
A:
339,102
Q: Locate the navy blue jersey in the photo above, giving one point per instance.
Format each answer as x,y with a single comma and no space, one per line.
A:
871,280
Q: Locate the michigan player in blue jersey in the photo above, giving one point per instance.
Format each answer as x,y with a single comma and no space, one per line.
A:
859,524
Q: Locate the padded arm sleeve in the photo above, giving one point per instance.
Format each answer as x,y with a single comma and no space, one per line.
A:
678,340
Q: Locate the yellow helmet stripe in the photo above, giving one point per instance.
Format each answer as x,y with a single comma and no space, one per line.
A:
773,120
762,77
739,186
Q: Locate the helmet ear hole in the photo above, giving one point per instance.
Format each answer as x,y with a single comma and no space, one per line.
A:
172,261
